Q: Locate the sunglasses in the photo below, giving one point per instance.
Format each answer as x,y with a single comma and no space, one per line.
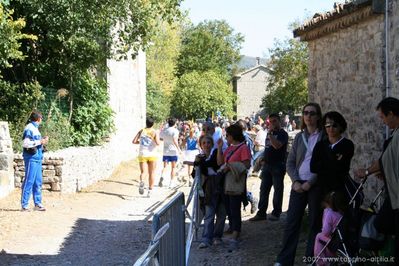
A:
310,113
206,142
334,125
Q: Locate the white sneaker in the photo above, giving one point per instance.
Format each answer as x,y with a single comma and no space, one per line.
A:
172,184
141,188
203,245
149,192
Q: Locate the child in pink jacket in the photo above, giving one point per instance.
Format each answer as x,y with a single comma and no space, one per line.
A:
332,215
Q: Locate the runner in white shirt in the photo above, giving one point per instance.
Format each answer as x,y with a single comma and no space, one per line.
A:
171,150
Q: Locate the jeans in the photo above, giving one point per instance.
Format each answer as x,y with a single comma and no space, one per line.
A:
233,210
272,175
296,209
212,229
256,156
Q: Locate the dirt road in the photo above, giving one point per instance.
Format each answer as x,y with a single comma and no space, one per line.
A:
109,224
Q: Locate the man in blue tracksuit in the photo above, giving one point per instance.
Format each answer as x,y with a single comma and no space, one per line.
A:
33,155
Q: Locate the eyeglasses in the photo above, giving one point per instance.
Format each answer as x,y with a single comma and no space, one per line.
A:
206,142
334,125
310,113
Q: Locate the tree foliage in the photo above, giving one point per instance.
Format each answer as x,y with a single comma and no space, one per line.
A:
210,45
200,94
11,35
74,39
16,99
92,121
287,82
158,102
162,56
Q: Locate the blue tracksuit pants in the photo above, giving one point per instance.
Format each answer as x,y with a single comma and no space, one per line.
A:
32,183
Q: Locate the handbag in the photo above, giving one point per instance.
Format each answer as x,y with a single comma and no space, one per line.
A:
235,179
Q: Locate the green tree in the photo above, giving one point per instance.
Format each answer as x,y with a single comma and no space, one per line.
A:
11,35
16,100
287,82
92,121
158,102
162,55
210,45
74,39
75,36
200,94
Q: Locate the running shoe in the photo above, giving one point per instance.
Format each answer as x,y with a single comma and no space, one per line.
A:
141,188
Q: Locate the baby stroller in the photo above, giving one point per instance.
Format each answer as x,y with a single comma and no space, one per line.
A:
369,238
348,226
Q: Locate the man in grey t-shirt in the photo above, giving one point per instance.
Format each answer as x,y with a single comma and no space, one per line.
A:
171,150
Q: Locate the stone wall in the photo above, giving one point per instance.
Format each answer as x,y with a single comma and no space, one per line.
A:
52,172
6,160
394,48
250,89
127,89
347,74
72,169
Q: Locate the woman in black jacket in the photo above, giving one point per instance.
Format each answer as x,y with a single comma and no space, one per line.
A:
332,157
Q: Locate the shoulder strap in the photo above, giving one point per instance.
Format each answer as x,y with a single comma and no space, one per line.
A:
232,152
305,140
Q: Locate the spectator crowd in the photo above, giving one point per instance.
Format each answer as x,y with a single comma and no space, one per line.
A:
318,163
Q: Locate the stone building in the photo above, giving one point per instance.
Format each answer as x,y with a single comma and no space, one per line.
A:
353,65
250,87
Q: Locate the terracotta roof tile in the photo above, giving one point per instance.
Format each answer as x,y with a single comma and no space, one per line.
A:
340,10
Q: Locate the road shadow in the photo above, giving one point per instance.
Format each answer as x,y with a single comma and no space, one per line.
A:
259,245
119,182
10,210
122,196
93,242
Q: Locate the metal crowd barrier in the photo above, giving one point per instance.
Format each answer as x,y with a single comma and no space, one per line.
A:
196,215
149,256
170,245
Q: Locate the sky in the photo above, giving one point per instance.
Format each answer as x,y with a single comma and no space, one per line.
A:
260,21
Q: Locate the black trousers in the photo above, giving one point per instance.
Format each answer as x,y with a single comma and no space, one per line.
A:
233,210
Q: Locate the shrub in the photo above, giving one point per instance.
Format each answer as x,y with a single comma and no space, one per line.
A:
58,128
158,103
92,117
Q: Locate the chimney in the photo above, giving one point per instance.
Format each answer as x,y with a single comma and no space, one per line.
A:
257,61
